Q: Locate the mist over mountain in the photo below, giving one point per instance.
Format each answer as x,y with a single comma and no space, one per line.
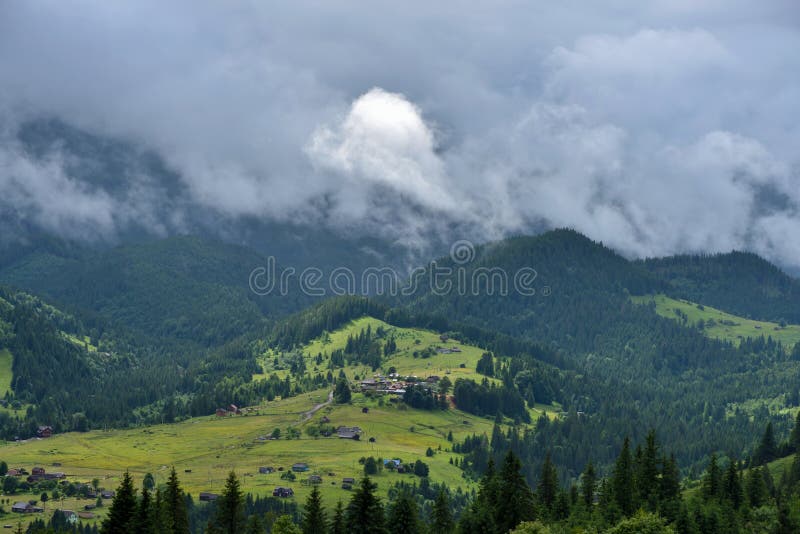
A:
657,129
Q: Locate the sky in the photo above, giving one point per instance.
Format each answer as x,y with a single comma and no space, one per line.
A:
656,127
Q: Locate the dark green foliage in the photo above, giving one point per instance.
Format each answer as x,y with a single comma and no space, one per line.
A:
229,517
767,449
485,365
442,517
489,399
403,514
622,483
342,393
337,524
588,485
364,514
547,490
712,481
175,515
122,513
314,514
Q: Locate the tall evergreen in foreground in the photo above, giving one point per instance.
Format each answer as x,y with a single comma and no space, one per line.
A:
442,517
364,514
175,513
123,508
229,517
314,514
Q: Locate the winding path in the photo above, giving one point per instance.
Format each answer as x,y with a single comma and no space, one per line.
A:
307,415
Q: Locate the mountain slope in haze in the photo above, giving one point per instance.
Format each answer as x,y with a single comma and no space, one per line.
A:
741,283
183,287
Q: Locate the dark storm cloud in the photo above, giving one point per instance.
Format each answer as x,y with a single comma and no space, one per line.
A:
655,128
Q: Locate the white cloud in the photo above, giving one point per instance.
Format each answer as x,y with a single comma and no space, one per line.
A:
657,127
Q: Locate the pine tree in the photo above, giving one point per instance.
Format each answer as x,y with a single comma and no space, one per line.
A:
588,485
364,514
338,525
285,525
144,520
255,525
647,473
123,508
514,498
442,517
341,393
176,516
755,488
767,449
547,490
404,515
622,480
712,481
670,479
794,437
314,515
732,486
229,518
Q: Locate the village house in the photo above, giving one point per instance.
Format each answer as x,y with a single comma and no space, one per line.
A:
283,492
106,494
392,464
38,471
266,470
349,432
44,431
25,508
300,467
208,497
70,516
315,479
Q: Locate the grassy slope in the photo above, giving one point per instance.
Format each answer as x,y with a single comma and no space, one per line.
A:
210,447
737,328
408,341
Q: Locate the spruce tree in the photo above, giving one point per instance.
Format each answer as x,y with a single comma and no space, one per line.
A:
514,498
364,514
442,517
337,525
647,473
174,502
622,480
229,517
732,486
712,480
255,525
794,437
314,515
588,485
767,449
403,514
670,479
547,490
123,508
755,488
144,520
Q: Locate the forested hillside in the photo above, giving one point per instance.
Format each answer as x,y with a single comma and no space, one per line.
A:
739,282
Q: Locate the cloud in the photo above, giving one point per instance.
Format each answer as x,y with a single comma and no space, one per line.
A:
658,128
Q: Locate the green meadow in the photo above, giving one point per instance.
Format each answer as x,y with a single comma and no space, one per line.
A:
204,450
719,324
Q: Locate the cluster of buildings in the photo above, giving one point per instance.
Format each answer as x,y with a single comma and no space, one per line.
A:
394,384
37,474
232,409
